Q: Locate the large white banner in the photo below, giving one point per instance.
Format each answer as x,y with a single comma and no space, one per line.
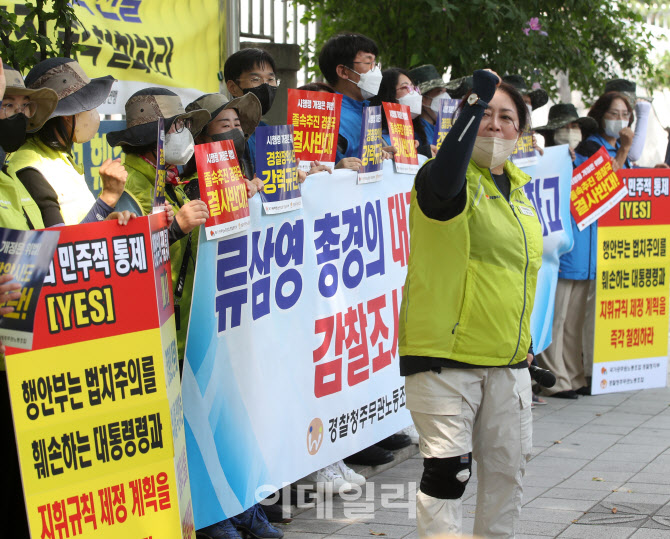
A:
292,353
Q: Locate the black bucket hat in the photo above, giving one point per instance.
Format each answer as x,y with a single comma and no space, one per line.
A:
626,87
76,92
248,109
426,78
538,98
562,114
457,88
143,110
46,98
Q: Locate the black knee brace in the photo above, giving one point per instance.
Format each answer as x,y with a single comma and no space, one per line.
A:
446,478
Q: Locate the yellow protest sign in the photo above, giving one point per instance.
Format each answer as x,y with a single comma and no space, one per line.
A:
631,326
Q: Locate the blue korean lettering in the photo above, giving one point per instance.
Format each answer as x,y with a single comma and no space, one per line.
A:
231,258
374,236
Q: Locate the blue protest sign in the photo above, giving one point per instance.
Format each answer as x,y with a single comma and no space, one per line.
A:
25,255
371,146
276,167
446,117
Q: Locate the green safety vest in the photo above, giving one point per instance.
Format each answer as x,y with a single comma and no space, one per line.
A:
140,185
471,280
63,174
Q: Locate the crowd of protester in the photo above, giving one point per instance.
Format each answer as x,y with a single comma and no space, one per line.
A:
41,186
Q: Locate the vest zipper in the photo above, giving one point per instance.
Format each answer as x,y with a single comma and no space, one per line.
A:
525,270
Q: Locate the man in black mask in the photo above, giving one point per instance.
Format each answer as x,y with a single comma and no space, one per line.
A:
252,71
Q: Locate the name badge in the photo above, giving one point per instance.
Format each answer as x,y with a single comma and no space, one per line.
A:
525,211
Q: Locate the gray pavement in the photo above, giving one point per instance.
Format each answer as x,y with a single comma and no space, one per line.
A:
600,468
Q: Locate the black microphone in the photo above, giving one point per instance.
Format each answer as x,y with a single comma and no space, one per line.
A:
542,376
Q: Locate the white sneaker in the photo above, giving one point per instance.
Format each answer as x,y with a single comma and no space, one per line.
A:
330,478
412,433
348,474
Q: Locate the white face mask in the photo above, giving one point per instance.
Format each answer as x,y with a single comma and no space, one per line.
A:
413,101
86,125
369,82
179,147
570,136
491,152
612,127
436,104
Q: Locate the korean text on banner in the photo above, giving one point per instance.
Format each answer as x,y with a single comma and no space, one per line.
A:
159,190
631,331
370,152
223,188
401,132
142,44
596,189
315,117
25,255
524,154
97,403
322,288
549,191
276,167
446,117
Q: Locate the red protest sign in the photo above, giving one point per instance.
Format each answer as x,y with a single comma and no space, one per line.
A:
647,200
401,132
223,188
596,189
104,281
315,117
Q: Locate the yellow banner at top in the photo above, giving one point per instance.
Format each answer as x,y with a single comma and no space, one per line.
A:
172,43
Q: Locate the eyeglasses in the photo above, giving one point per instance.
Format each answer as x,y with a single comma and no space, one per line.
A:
617,115
182,123
409,88
371,66
12,109
504,118
257,81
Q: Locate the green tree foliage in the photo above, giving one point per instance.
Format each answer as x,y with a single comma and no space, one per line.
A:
44,32
591,40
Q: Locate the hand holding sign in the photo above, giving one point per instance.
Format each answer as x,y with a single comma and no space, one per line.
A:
192,214
9,291
113,175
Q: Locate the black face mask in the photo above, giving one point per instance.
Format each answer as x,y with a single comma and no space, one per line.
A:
265,94
13,132
236,136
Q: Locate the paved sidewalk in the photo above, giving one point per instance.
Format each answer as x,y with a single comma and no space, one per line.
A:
600,469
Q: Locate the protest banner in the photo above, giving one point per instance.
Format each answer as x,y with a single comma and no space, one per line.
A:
25,255
631,326
549,191
315,117
143,44
300,309
276,167
596,189
159,183
97,403
222,187
446,117
401,132
524,154
371,146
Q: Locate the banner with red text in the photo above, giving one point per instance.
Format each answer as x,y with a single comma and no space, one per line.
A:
292,351
97,404
631,331
596,189
315,117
